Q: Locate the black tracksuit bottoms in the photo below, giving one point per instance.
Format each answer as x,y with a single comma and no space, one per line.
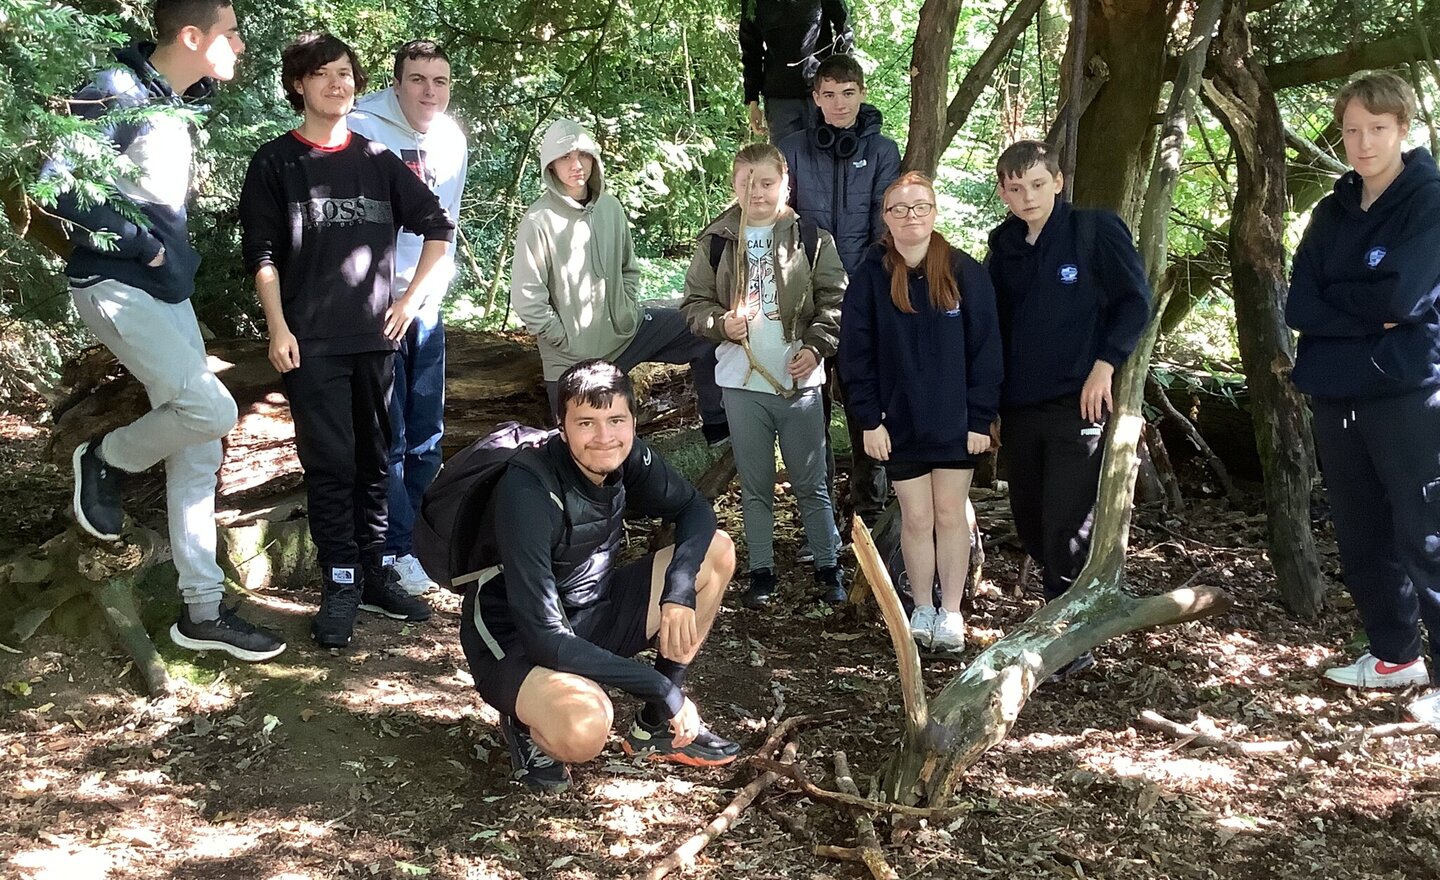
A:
1052,459
1381,461
340,405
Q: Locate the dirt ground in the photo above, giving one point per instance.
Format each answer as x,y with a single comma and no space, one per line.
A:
382,762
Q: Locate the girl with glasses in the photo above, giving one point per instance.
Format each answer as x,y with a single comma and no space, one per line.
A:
920,358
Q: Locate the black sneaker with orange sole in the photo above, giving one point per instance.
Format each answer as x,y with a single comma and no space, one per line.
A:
706,750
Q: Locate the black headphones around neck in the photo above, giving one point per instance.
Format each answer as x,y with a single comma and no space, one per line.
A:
843,142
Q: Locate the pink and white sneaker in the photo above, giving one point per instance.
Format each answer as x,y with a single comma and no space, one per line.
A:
1373,673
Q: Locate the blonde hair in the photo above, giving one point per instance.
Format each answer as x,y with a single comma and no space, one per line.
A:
1381,92
754,154
944,288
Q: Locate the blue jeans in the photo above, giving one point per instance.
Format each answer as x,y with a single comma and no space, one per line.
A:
417,421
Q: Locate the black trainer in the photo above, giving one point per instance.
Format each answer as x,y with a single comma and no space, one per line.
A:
384,595
761,591
530,764
230,633
97,492
334,624
1071,669
716,433
706,750
830,580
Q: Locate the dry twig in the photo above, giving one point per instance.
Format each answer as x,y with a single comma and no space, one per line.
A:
1190,735
686,852
794,774
870,852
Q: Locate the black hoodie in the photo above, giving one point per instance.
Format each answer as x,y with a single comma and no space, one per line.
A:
783,41
1356,271
160,147
930,377
1062,310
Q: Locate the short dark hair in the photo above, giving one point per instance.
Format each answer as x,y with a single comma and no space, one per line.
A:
172,16
418,50
839,69
1021,156
595,382
307,54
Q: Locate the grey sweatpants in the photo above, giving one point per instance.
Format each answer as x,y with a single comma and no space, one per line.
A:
757,419
160,344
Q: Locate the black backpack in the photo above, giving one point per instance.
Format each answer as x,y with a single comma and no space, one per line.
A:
809,240
448,538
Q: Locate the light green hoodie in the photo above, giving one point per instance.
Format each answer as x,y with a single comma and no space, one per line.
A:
574,281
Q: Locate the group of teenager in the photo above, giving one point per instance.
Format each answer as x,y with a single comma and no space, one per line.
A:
827,279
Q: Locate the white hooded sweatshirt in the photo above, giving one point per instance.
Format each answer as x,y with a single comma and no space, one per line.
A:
439,156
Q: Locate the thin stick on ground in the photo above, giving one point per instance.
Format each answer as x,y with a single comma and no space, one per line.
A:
779,734
870,852
685,854
1189,735
839,853
840,798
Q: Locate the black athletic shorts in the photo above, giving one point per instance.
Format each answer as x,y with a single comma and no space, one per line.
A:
616,624
909,470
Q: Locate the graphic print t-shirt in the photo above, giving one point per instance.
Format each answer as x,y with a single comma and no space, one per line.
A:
767,333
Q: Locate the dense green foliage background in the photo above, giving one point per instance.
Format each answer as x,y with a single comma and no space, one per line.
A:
658,81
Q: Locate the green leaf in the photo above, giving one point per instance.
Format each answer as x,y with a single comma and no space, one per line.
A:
412,870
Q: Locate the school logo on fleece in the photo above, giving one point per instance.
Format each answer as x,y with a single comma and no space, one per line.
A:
1069,273
1374,256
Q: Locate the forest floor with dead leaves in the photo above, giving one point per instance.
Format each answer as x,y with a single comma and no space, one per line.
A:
383,762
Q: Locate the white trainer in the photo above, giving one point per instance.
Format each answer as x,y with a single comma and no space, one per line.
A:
1426,710
413,579
1373,673
949,631
922,625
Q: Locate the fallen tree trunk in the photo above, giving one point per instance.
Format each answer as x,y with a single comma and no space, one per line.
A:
977,709
489,378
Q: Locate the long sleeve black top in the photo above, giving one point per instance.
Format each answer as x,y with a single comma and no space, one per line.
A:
326,219
534,523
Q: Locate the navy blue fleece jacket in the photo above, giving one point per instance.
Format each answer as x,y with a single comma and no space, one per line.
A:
1358,270
1062,310
930,377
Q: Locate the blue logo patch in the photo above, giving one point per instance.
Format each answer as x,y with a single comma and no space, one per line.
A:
1373,258
1069,273
953,313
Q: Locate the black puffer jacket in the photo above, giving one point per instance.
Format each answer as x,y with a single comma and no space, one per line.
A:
840,186
160,148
